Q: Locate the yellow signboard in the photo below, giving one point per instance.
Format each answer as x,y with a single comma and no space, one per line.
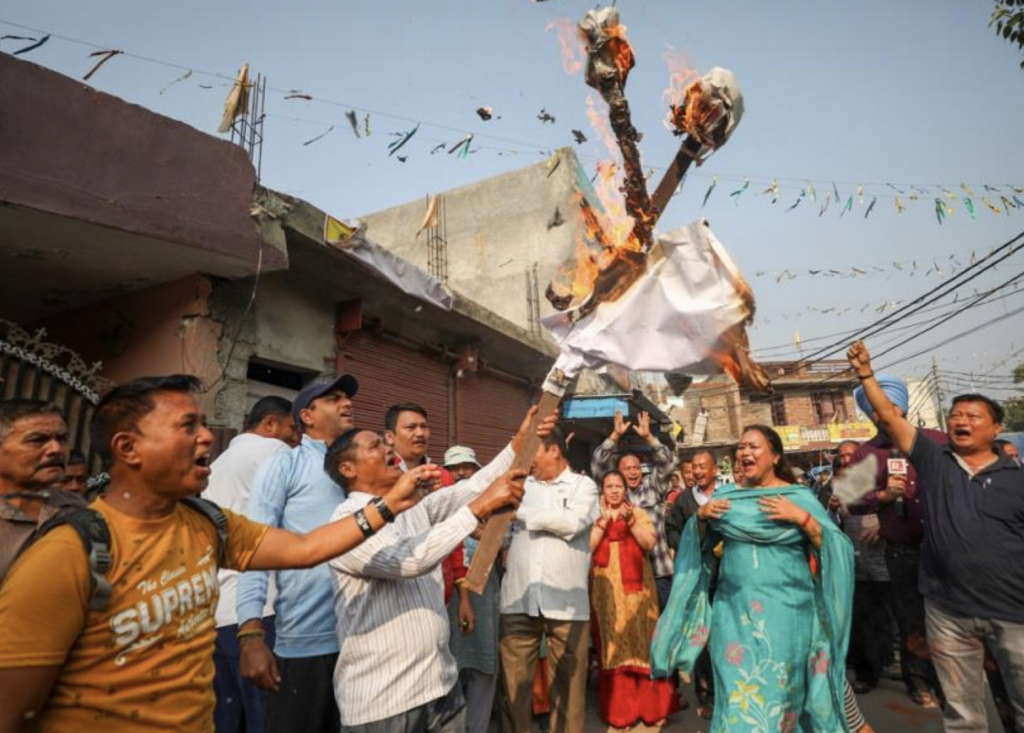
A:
801,437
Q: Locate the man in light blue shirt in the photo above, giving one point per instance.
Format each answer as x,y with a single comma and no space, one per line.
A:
292,491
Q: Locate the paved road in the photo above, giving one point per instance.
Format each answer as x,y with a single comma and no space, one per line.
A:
887,708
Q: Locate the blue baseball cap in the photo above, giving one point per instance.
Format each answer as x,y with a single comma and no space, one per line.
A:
346,383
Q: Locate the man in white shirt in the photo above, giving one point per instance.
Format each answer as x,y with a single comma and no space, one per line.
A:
545,592
269,429
395,671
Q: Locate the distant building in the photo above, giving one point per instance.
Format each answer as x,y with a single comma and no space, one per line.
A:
812,408
499,241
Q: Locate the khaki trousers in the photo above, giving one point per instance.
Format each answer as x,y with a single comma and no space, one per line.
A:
568,646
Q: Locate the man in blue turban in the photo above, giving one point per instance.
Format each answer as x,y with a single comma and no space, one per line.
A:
896,499
895,389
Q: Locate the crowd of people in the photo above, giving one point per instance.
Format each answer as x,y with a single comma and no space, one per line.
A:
312,577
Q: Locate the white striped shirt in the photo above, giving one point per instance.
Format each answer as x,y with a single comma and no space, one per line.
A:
389,600
549,560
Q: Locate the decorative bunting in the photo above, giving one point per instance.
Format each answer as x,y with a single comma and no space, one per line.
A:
394,147
735,195
773,189
824,207
899,206
353,122
990,205
318,137
462,147
32,46
106,56
848,207
871,207
798,200
707,194
183,77
969,205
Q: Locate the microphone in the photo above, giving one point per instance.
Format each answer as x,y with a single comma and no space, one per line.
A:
898,467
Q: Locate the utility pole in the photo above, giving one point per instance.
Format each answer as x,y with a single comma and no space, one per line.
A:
938,392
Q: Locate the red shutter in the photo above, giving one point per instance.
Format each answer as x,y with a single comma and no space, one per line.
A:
489,411
389,373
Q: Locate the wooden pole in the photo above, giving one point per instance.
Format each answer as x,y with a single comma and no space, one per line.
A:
494,530
688,152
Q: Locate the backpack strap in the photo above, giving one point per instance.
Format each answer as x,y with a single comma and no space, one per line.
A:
92,529
217,517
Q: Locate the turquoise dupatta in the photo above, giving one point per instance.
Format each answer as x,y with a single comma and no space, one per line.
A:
777,635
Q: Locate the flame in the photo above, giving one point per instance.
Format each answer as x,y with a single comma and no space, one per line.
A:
622,52
573,54
681,76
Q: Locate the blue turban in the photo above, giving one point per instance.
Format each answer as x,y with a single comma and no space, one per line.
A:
895,389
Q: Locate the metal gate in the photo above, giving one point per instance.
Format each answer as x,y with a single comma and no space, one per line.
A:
31,368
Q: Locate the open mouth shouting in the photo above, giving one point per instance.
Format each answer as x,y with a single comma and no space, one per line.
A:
202,463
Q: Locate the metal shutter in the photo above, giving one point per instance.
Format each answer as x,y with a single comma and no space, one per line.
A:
390,373
490,410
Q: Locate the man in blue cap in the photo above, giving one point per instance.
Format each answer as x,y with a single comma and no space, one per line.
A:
897,502
292,491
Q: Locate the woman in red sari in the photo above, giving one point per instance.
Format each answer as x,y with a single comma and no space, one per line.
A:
624,604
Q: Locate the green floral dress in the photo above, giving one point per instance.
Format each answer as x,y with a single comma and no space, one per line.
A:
777,634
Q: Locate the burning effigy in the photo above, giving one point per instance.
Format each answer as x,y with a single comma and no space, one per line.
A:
675,303
702,326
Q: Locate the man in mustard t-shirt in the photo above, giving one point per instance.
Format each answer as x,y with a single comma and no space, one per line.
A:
145,662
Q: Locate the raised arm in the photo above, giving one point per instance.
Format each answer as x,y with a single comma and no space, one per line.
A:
603,459
896,426
442,504
664,462
392,556
281,549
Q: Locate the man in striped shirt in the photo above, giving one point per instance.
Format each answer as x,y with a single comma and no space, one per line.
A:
395,671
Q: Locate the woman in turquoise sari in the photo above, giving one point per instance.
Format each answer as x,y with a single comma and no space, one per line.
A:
779,626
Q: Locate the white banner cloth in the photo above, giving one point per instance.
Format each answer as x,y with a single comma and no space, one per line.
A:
670,319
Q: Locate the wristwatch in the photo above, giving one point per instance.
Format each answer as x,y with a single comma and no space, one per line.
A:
384,509
364,523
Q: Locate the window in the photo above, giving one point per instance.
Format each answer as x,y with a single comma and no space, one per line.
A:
828,407
778,409
777,404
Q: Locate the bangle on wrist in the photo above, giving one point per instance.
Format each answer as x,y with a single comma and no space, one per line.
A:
364,524
385,511
807,521
248,633
862,377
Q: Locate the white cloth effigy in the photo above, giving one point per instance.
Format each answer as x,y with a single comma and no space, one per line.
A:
669,319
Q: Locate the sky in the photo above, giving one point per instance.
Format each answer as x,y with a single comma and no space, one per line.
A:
872,93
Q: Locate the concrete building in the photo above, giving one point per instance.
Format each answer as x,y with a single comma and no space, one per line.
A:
145,245
503,239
